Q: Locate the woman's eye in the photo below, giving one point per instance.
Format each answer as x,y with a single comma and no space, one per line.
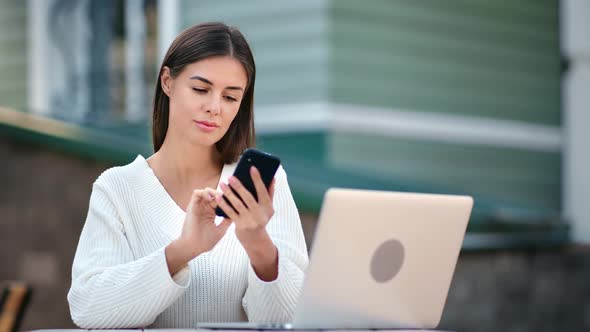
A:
200,90
230,98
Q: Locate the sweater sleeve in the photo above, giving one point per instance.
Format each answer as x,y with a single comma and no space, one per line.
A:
275,301
111,289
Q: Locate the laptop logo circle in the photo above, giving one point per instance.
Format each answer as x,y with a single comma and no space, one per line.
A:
387,260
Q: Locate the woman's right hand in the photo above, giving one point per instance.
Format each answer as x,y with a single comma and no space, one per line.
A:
199,232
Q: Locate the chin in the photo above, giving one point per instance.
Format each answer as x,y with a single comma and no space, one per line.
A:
205,140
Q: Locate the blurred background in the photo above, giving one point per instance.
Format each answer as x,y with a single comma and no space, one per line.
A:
481,97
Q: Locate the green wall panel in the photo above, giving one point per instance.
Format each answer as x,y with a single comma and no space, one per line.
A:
475,58
524,178
288,39
493,59
13,54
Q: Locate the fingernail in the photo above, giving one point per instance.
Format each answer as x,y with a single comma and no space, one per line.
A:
223,185
232,180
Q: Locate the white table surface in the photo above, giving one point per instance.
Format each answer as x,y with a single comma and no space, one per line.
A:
194,330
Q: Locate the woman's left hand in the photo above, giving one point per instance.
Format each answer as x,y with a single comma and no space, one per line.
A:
249,216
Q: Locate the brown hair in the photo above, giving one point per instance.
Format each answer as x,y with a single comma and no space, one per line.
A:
197,43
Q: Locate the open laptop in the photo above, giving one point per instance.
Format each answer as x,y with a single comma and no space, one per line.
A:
379,260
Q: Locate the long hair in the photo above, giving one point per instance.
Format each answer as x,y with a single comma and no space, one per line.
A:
197,43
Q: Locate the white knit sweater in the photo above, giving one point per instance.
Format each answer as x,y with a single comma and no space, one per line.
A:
120,277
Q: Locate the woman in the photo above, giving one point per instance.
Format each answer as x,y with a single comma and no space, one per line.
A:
144,261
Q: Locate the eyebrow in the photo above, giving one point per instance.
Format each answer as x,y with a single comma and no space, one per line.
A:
211,83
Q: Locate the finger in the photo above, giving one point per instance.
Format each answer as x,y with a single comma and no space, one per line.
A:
233,199
197,193
206,199
229,211
209,195
195,198
213,203
260,187
242,192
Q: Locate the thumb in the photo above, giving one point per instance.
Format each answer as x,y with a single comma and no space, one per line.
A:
209,196
195,198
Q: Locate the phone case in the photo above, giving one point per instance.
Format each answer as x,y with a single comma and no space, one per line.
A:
266,164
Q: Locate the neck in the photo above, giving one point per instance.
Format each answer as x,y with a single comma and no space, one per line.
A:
186,163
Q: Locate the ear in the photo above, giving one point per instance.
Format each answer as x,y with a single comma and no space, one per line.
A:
166,80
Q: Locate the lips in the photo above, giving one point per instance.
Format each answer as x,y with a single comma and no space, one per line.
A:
206,126
207,123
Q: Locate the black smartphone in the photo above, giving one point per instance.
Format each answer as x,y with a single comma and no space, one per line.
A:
267,166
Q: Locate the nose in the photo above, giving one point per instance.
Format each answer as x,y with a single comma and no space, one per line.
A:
214,104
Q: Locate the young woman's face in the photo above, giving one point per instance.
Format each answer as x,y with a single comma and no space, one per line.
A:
204,99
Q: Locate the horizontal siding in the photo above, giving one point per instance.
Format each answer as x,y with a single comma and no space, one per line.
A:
498,59
15,99
489,59
11,41
13,54
516,177
288,39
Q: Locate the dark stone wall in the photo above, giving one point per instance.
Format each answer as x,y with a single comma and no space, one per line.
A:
43,204
44,200
520,291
